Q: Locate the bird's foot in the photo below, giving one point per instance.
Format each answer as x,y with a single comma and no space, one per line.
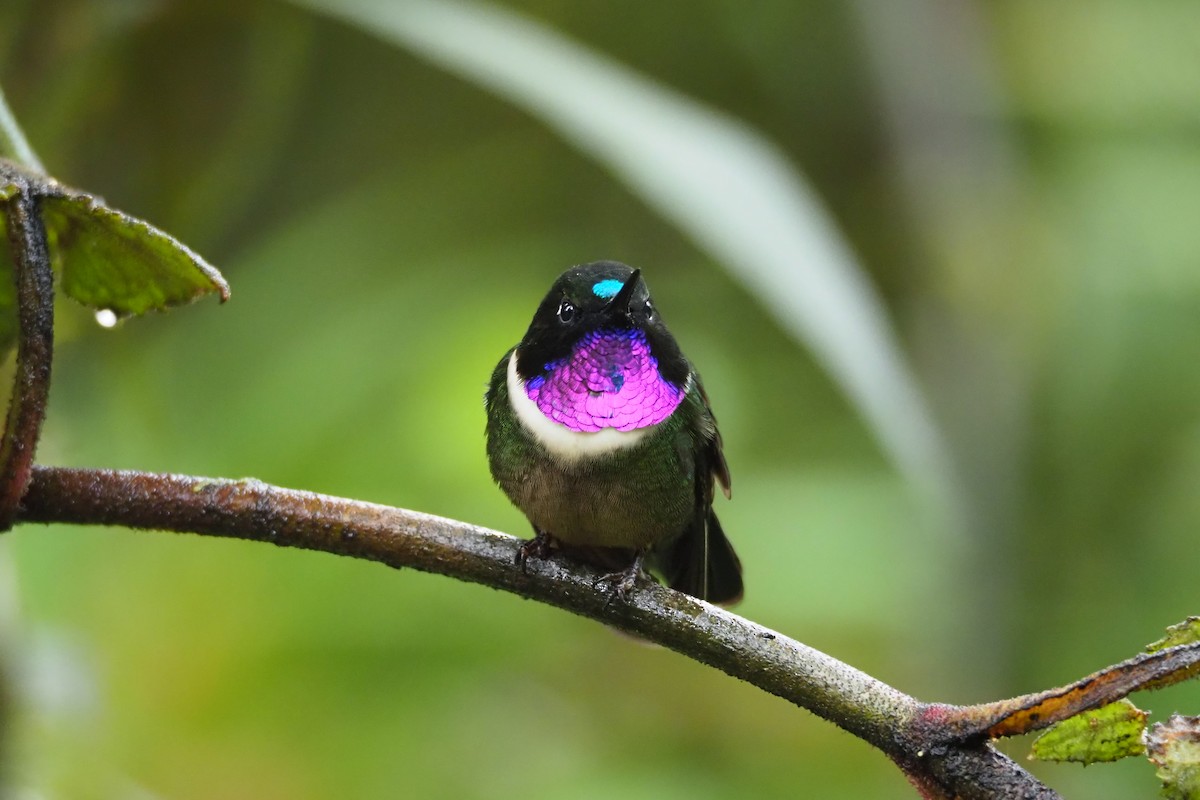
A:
622,582
538,547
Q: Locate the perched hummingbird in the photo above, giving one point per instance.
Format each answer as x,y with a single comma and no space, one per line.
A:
599,430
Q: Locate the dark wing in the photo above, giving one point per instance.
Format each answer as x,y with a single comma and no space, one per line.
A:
701,562
497,389
717,467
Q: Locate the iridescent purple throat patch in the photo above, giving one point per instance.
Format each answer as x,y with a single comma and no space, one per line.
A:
610,381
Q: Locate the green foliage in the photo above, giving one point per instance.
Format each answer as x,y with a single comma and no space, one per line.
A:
1119,729
1109,733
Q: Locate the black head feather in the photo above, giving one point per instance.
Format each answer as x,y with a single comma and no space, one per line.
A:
587,298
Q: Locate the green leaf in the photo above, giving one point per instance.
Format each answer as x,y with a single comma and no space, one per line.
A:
1184,632
107,259
111,260
1174,747
1108,733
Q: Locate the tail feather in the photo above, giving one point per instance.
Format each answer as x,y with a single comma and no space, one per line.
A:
702,563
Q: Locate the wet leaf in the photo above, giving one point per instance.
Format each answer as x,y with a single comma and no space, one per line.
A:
1108,733
109,259
106,258
1174,747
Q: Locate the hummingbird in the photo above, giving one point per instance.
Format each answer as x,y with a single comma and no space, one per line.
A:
599,430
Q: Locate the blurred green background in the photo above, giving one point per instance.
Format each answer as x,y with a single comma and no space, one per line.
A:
1020,182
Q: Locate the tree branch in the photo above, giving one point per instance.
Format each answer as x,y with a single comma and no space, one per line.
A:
249,509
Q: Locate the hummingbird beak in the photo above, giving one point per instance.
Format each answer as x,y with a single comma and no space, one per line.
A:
619,305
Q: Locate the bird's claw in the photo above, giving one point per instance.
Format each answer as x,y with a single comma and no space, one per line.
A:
622,582
538,547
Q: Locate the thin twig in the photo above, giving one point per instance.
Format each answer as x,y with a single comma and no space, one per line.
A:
775,663
1033,712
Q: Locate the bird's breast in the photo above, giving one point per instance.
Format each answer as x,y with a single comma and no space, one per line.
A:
603,397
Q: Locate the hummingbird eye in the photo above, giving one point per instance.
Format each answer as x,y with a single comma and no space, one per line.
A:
566,311
649,309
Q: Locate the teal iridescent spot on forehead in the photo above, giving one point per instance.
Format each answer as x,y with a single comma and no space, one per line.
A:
607,288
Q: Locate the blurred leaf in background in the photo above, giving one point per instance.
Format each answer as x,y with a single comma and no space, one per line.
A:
1018,182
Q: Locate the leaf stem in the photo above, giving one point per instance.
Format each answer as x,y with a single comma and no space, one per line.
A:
34,281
